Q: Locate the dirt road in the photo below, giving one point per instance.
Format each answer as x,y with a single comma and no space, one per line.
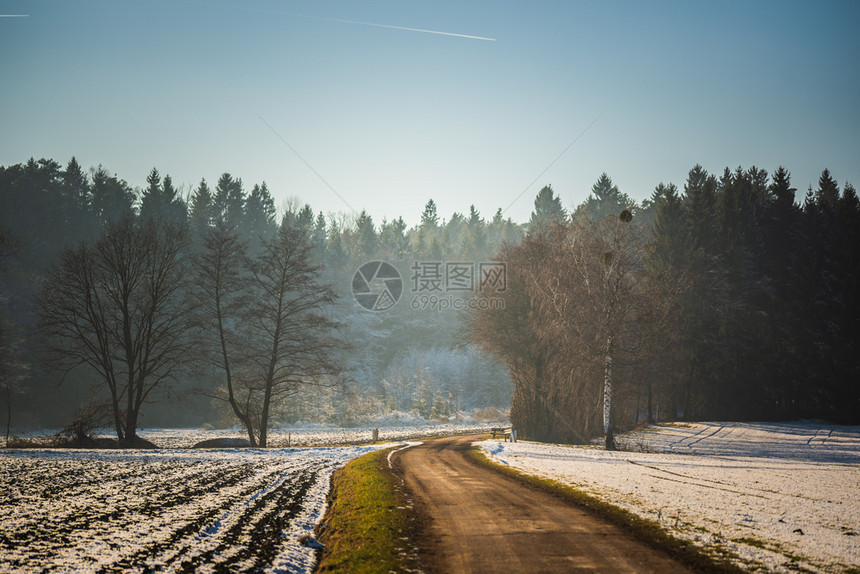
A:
472,519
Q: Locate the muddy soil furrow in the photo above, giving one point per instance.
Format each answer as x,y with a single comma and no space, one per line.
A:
244,533
189,511
120,509
150,506
258,532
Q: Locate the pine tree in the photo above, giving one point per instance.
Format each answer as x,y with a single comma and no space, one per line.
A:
151,199
259,214
699,325
430,219
77,202
160,201
666,276
605,199
547,211
202,209
174,209
319,238
669,239
744,374
476,240
365,238
393,243
336,255
453,233
827,194
76,188
229,200
112,198
783,246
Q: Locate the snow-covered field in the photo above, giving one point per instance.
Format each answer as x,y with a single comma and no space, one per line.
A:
775,497
178,509
310,435
183,510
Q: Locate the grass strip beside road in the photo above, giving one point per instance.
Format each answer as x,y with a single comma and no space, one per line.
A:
648,531
367,520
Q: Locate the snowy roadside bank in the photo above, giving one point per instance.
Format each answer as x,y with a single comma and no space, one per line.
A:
777,506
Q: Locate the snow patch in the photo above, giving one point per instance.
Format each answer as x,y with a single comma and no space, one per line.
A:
777,496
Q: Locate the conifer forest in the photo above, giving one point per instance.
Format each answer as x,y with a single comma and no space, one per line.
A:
728,296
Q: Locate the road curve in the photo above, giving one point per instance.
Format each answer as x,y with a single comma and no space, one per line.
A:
472,519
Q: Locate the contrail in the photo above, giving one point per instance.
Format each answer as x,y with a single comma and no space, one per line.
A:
392,27
14,15
344,21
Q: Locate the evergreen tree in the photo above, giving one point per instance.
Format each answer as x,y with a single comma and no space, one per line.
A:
365,238
781,193
699,325
393,243
305,218
783,246
666,268
827,194
743,376
202,209
151,200
76,197
476,240
669,237
112,198
548,211
336,255
319,238
259,213
475,218
454,234
605,199
229,200
429,218
160,201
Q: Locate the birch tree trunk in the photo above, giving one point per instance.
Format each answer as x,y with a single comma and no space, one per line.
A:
607,397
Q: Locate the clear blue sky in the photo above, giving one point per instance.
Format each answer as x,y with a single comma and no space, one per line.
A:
391,117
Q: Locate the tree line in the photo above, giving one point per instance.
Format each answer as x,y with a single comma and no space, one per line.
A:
219,319
728,300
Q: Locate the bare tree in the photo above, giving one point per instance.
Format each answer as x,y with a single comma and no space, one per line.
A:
221,290
595,294
13,368
265,321
294,342
599,299
512,333
580,309
117,306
